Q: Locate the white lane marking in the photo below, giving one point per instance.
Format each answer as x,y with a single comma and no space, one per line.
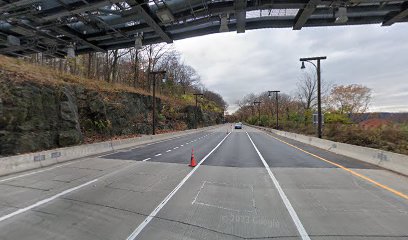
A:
201,188
106,154
148,144
186,143
76,161
144,160
39,203
168,150
39,171
181,145
288,205
159,154
149,218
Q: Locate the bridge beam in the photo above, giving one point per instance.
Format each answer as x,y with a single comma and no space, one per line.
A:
398,16
16,4
304,14
240,15
144,12
67,32
84,8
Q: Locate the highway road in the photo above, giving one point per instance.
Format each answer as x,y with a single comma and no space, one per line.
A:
247,185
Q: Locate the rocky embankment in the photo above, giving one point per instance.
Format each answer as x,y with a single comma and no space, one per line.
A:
37,116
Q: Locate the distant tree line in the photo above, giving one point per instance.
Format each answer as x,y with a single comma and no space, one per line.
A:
339,104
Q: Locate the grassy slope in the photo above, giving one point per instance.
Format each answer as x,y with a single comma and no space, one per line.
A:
18,70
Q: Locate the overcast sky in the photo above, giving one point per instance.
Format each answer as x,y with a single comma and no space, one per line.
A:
268,59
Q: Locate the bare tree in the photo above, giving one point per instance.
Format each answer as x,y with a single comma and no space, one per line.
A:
131,66
307,90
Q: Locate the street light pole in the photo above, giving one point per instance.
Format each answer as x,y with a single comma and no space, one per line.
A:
319,99
259,111
196,107
154,98
277,106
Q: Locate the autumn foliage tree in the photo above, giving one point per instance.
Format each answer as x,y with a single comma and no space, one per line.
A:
350,99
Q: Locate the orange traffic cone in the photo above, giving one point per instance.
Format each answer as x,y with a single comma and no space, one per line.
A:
193,162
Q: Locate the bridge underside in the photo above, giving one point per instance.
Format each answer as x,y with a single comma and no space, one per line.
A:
57,27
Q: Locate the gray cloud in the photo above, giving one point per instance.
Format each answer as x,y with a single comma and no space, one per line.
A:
268,59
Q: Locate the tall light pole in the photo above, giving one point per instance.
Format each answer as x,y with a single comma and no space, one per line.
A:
154,97
196,107
277,106
319,100
259,111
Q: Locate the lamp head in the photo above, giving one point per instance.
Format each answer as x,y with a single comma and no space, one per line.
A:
138,41
224,23
164,79
303,65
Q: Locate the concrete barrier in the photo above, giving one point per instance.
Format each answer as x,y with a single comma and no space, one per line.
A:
389,160
29,161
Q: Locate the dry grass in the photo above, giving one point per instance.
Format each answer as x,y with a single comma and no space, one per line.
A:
18,70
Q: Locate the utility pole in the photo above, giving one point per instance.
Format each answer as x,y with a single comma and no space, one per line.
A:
196,107
277,106
154,98
259,111
319,100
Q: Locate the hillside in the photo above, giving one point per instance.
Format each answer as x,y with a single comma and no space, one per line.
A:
41,108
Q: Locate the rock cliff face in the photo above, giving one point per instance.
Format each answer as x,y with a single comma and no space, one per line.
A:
35,117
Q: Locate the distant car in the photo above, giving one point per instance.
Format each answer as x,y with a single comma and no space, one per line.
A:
238,125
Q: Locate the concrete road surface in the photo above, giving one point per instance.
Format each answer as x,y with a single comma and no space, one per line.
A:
247,185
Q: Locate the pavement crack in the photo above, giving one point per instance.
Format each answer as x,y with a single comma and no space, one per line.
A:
44,212
18,186
104,205
62,181
85,168
124,189
170,220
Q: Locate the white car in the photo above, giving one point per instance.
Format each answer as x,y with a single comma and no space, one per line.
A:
238,125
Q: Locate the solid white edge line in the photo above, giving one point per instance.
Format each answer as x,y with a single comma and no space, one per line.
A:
39,171
137,231
291,210
44,201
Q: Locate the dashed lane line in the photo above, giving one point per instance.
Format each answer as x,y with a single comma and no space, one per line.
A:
75,161
44,201
39,171
149,218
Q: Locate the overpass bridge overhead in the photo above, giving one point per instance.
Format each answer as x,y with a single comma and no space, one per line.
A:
60,27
